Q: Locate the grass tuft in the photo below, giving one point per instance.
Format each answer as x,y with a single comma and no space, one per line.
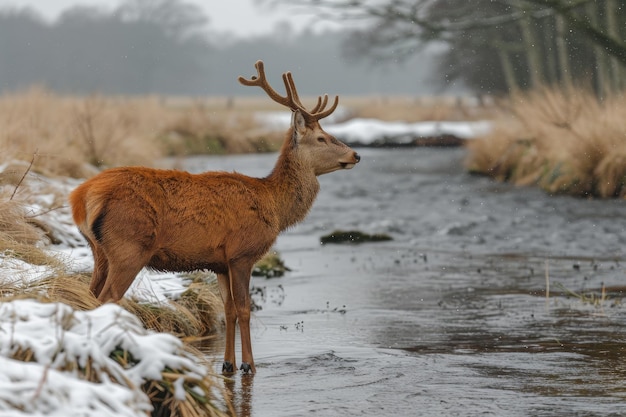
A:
564,141
270,266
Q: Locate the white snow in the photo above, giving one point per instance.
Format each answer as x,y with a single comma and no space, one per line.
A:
57,335
368,131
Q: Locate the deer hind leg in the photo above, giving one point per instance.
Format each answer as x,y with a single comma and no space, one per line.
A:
230,314
100,269
125,262
240,290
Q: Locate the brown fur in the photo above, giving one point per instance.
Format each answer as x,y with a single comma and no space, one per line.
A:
136,217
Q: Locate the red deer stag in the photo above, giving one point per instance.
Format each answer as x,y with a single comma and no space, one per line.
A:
134,217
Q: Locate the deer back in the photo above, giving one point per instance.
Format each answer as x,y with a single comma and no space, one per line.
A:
183,217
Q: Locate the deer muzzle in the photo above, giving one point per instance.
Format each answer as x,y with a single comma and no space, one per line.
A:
352,159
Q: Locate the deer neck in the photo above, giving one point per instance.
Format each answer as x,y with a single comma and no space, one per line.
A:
294,185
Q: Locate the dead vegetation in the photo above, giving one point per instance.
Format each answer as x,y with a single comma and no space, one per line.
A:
200,391
71,135
192,317
565,141
419,109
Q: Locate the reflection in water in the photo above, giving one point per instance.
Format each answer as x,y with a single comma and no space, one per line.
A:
239,390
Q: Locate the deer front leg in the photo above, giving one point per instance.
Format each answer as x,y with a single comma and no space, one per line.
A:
240,289
230,316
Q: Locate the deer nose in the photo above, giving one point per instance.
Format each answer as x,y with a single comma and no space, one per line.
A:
357,157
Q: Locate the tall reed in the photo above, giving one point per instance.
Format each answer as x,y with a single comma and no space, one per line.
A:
70,133
565,141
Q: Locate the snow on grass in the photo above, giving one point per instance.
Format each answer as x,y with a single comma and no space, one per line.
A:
26,391
14,270
72,371
60,362
370,131
361,131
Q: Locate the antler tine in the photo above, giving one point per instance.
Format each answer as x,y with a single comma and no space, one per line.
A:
261,81
316,113
291,86
320,103
321,114
292,99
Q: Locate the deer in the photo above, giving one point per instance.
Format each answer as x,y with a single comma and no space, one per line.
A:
171,220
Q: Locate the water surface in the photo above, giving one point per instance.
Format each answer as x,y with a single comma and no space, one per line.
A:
449,318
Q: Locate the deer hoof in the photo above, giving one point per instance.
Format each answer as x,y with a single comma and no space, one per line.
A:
246,368
227,367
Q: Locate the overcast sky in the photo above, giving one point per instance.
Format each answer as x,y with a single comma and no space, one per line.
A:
241,17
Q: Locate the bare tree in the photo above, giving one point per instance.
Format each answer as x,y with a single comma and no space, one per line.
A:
535,40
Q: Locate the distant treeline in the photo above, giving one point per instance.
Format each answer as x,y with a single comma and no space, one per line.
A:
164,47
497,46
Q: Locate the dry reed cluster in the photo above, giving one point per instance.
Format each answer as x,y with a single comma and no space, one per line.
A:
70,134
565,141
418,109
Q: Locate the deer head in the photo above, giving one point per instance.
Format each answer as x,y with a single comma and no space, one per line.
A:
321,150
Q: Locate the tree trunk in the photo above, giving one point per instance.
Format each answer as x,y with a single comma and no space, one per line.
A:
602,79
550,39
507,70
562,52
617,72
533,53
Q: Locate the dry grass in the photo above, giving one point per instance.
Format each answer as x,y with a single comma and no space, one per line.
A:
564,141
67,132
200,390
187,318
217,126
71,134
193,317
15,226
417,109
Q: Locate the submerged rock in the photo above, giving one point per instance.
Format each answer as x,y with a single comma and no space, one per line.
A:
353,237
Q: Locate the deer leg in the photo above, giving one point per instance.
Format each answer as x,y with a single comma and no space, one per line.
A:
117,282
230,314
125,262
240,290
100,270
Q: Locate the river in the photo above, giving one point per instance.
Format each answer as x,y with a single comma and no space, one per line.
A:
488,301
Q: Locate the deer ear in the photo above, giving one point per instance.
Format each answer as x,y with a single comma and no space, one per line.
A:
298,123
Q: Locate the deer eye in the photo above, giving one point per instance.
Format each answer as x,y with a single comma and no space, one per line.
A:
321,139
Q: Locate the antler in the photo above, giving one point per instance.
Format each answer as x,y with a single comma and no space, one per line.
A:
291,100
